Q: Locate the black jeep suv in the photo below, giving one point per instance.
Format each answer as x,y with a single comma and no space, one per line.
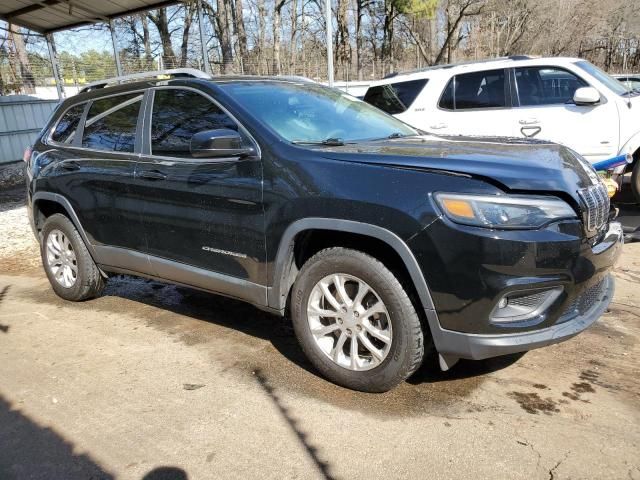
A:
381,241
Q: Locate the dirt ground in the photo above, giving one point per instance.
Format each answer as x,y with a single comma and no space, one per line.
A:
152,382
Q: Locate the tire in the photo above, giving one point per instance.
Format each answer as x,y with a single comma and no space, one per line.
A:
635,179
61,247
396,321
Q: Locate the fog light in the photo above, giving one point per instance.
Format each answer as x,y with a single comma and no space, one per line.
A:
524,305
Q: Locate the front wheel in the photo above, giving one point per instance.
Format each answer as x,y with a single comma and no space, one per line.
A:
355,322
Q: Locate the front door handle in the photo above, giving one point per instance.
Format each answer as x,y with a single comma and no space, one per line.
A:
152,175
438,126
530,132
529,121
70,165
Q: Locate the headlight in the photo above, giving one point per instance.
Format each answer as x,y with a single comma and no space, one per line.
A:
503,212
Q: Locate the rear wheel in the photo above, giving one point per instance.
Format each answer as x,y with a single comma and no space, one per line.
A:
355,322
71,271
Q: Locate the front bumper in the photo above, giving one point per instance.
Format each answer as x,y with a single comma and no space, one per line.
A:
453,344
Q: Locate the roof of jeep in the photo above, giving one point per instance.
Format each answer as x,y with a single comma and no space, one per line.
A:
179,81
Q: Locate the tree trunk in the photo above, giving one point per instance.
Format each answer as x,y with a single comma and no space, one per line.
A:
262,14
162,24
147,42
359,15
240,30
342,34
294,34
277,20
28,80
188,18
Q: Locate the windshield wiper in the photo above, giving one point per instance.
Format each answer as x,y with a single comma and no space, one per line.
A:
329,142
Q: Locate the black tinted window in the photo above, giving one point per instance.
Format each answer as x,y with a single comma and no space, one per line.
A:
177,116
475,90
111,123
395,97
446,101
66,128
546,85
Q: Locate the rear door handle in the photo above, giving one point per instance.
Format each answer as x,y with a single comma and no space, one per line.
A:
529,121
438,126
70,165
152,175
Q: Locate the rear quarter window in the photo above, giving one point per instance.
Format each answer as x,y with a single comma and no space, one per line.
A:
396,97
66,128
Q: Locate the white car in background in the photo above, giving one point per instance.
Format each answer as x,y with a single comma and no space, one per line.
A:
564,100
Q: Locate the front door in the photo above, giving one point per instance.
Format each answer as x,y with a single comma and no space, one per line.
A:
545,110
199,214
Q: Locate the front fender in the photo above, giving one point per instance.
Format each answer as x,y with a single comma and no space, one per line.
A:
277,293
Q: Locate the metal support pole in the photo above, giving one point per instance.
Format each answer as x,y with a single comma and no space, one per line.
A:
329,42
54,66
205,57
115,48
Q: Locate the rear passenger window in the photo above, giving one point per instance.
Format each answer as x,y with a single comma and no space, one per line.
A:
546,85
475,90
111,123
180,114
395,97
66,127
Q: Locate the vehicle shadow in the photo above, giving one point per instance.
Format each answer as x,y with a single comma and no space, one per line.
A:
28,450
244,318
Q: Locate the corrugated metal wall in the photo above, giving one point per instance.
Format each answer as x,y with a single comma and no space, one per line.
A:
20,121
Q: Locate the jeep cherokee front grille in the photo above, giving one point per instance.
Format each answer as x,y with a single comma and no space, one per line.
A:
596,204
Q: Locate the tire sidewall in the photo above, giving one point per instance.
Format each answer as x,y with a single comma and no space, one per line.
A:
389,372
635,180
63,224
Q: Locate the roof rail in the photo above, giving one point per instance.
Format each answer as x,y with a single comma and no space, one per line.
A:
445,66
172,73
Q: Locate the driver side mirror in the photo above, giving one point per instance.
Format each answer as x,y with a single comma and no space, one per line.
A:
586,96
221,142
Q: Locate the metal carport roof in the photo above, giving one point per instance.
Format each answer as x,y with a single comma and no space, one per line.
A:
48,16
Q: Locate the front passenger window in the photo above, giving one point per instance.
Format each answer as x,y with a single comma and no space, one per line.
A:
180,114
546,86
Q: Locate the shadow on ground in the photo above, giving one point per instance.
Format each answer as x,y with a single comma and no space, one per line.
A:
234,333
28,450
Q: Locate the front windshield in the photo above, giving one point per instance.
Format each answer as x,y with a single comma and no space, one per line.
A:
604,78
307,112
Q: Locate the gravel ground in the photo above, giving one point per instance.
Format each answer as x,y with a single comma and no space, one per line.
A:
150,381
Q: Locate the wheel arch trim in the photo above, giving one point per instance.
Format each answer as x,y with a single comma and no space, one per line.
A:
278,292
64,203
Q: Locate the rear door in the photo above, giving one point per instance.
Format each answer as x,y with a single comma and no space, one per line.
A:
475,104
545,110
98,144
202,213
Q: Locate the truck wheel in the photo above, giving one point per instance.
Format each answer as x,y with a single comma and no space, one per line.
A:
635,180
355,322
71,271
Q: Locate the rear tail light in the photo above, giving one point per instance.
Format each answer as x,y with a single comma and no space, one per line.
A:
26,156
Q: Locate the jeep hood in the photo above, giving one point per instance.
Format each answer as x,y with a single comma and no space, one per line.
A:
516,164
